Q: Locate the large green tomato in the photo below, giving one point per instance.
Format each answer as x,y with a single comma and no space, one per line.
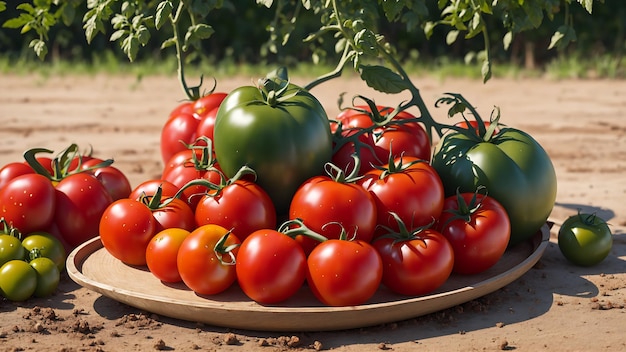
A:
279,130
585,239
513,167
18,280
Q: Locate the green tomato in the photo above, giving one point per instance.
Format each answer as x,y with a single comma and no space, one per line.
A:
10,248
513,167
585,239
48,246
18,280
283,136
48,276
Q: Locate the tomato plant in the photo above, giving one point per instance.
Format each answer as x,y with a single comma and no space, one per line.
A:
344,273
162,254
585,239
323,202
478,228
271,265
513,167
415,262
278,129
408,187
206,259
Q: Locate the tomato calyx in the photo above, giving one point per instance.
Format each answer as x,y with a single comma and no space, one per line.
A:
396,165
466,209
9,230
296,227
403,233
68,162
274,86
341,176
480,131
206,161
222,250
216,188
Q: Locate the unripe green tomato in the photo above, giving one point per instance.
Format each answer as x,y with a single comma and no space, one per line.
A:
48,245
18,280
10,248
48,276
585,239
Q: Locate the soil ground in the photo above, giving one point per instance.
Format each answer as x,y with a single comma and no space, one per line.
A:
555,306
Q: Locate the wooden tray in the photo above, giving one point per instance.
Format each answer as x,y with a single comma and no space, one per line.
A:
91,266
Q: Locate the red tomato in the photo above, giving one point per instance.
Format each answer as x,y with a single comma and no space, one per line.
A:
149,188
206,259
162,253
377,143
241,206
410,188
417,264
113,180
80,202
271,266
344,273
479,230
184,167
126,228
12,170
329,207
28,203
183,122
175,214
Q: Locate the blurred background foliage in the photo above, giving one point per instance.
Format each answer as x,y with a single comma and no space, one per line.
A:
241,38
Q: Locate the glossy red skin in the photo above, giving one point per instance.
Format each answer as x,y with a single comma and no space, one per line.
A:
344,273
321,202
417,266
176,214
415,194
162,254
126,228
242,207
480,243
80,202
114,180
408,139
271,266
198,264
180,170
12,170
28,203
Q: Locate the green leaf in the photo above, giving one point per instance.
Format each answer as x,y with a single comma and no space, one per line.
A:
3,6
130,46
40,48
587,4
451,36
383,79
163,12
486,70
167,43
428,29
266,3
17,22
507,39
562,37
117,35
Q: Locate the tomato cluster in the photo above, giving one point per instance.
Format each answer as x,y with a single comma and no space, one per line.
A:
374,212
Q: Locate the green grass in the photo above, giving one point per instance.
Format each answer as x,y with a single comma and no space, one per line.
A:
573,66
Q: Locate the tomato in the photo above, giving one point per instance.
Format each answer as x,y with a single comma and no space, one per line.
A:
478,228
513,167
114,181
329,206
239,205
162,252
378,141
585,239
80,202
28,202
271,266
126,228
417,263
10,248
344,273
18,280
207,107
48,276
12,170
48,246
408,187
182,125
206,259
279,130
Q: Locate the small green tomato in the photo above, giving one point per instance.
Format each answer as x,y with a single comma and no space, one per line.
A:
585,239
